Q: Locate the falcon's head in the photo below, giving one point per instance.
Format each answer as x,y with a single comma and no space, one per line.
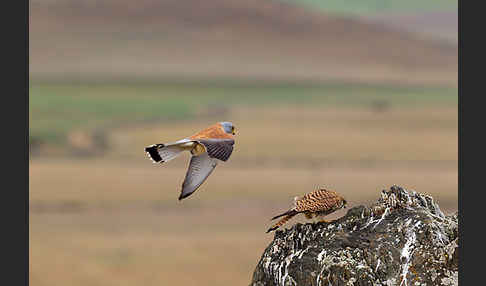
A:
228,127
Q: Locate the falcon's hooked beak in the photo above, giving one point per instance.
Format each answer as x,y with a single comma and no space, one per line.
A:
233,130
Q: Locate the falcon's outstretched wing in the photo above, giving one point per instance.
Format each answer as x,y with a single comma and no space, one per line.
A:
200,168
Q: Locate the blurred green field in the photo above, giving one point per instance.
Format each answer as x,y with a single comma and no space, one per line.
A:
55,109
377,6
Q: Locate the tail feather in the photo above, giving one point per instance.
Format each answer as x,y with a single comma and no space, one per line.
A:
160,153
287,217
153,152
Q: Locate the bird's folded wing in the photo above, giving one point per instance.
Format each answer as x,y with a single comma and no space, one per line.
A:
200,168
218,148
322,205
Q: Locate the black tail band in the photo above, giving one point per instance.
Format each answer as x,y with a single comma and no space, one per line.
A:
154,153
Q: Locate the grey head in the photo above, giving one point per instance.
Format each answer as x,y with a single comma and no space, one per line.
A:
228,127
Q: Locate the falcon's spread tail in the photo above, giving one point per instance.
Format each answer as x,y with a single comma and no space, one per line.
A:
287,216
160,153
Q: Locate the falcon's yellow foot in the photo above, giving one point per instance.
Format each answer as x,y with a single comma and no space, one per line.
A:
325,221
308,215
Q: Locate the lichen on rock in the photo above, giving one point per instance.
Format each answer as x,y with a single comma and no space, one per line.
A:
402,239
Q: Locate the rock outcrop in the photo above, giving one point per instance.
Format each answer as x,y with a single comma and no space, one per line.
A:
402,239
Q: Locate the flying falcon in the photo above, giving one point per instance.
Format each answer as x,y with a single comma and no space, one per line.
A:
207,147
320,202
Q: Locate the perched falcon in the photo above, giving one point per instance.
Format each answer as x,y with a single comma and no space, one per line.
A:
320,202
207,147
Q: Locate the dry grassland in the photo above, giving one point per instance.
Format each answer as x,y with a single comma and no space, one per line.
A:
115,220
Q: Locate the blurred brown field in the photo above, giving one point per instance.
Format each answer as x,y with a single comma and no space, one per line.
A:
122,225
270,40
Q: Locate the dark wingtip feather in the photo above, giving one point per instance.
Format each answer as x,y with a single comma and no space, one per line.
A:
275,217
181,196
285,213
